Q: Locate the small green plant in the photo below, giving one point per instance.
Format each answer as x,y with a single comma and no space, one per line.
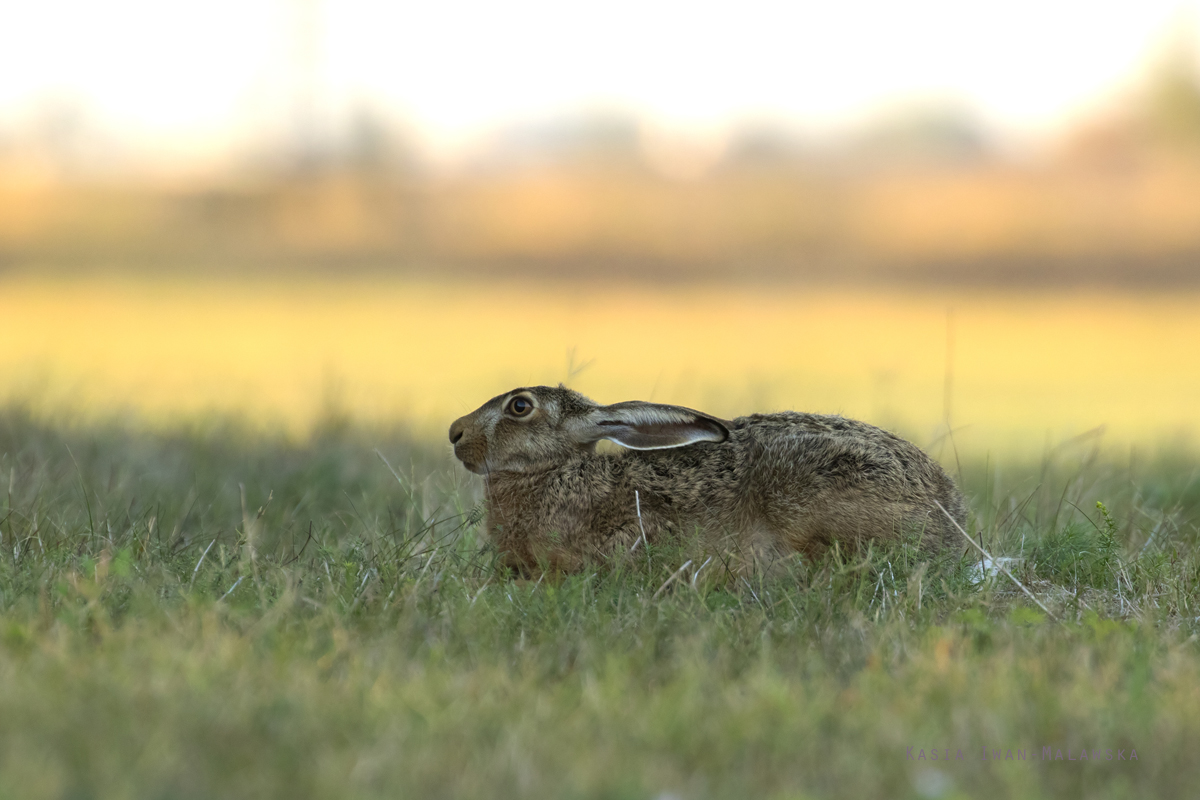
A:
1080,553
1108,533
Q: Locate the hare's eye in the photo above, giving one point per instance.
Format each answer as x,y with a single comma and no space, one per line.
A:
519,406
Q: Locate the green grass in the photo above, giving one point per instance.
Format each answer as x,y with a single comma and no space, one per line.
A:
219,612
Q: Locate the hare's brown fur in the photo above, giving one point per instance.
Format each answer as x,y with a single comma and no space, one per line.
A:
764,485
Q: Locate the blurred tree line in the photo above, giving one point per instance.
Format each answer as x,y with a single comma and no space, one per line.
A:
924,194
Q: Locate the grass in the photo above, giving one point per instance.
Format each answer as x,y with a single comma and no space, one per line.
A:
216,611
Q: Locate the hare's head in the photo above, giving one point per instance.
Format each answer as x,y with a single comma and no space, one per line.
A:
538,427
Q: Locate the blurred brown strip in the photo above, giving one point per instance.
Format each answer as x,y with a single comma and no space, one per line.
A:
1135,221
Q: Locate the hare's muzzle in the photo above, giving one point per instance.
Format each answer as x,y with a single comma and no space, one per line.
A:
471,451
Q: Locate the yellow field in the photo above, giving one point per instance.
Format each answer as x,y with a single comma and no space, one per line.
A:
1024,369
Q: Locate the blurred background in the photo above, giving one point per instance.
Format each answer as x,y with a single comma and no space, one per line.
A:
941,217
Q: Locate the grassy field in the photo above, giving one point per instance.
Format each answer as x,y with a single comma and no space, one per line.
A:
211,610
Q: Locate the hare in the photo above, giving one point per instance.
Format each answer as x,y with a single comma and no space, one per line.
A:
765,486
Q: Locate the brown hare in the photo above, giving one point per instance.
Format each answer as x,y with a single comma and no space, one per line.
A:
759,487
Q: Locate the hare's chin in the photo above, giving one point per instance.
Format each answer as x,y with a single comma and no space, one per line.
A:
478,469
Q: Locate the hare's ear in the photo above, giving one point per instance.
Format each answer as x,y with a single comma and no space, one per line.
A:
651,426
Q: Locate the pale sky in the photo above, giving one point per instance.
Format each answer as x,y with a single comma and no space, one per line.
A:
187,74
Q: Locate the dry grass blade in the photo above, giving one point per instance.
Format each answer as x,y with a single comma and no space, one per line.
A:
637,499
997,564
671,579
198,563
236,584
391,469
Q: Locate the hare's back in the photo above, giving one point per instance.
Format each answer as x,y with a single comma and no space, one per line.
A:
790,422
820,479
816,453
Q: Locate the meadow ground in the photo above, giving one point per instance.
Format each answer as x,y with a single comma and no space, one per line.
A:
214,610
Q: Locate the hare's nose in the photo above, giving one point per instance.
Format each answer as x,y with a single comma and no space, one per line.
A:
456,431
